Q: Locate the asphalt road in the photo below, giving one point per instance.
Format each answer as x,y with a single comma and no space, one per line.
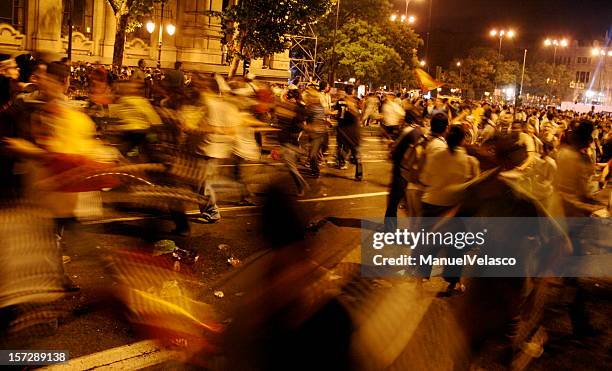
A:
92,323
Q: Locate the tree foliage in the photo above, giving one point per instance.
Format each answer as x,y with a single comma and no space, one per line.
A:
128,14
257,28
369,46
546,79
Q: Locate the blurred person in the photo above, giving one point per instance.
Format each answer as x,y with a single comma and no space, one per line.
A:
9,127
403,157
458,167
370,112
348,134
63,149
316,128
576,171
290,112
393,115
175,78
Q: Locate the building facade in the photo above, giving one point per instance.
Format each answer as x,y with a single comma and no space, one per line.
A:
42,25
591,66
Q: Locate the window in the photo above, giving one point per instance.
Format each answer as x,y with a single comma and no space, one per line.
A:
82,16
582,76
13,12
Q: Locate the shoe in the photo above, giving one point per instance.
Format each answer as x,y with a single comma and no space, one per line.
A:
209,217
342,167
358,178
246,202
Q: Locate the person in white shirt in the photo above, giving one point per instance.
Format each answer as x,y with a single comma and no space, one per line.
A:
393,116
446,164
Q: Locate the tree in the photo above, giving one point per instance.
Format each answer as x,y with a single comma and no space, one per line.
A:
549,80
257,28
362,53
507,73
382,52
127,14
477,71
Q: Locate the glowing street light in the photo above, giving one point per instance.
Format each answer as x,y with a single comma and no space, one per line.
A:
422,63
458,64
150,26
562,43
403,18
501,33
170,29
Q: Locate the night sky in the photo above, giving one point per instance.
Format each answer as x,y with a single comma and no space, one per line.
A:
458,25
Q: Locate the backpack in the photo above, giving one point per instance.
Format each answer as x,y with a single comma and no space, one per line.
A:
413,159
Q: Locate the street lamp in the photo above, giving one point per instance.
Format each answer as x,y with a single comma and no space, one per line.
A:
410,19
422,63
501,33
170,29
555,44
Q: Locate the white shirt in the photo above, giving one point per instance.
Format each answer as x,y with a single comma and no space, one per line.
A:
443,169
393,113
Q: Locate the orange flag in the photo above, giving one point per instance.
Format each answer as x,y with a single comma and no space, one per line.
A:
427,82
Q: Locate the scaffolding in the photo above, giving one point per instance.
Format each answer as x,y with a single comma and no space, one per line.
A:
303,56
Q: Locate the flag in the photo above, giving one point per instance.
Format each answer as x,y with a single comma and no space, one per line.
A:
427,82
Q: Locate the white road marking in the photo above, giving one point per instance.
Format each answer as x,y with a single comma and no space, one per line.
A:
133,356
237,208
345,197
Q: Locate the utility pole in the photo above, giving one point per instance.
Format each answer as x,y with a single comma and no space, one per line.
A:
69,48
332,71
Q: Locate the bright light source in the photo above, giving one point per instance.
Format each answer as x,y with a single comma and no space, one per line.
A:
352,80
590,93
595,51
564,43
610,53
493,32
393,17
411,19
422,63
547,42
458,64
602,52
402,18
510,34
170,29
150,27
502,33
555,43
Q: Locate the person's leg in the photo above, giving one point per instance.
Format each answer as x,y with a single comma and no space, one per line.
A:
290,158
396,194
315,146
339,149
358,164
244,192
209,211
413,203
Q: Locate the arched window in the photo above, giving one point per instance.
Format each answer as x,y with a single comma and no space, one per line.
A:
82,16
13,12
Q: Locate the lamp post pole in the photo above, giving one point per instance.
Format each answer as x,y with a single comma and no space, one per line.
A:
332,69
161,31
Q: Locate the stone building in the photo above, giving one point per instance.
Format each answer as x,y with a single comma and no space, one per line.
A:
591,66
42,25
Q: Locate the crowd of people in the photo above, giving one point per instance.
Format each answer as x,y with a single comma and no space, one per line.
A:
449,156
